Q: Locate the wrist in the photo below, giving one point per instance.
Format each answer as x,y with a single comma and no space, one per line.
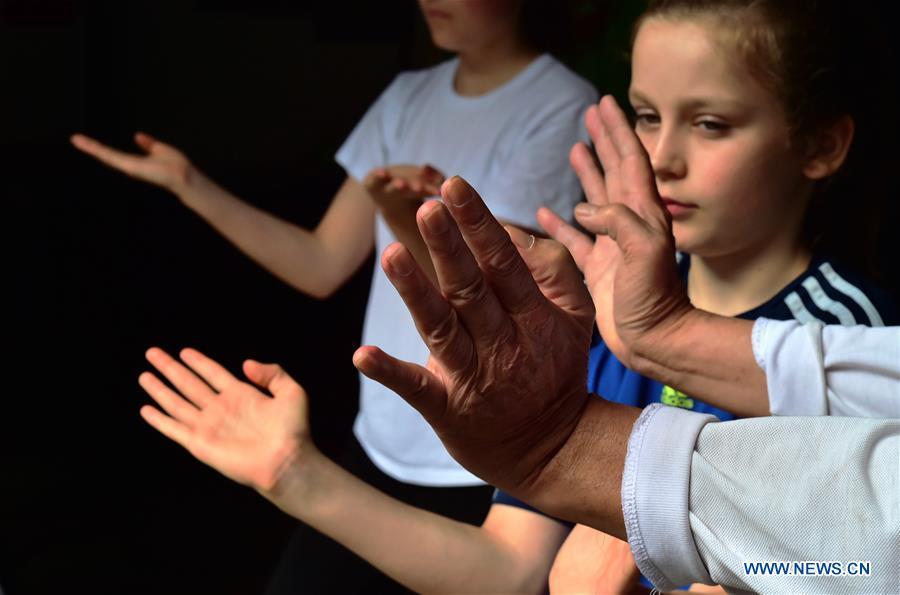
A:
188,184
662,344
582,483
294,484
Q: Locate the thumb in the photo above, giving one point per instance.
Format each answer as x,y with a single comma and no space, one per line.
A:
144,141
618,222
273,378
578,244
418,386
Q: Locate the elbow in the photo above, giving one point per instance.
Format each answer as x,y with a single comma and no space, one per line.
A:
528,575
532,581
320,291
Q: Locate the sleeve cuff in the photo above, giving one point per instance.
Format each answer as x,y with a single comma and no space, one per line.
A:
655,495
791,356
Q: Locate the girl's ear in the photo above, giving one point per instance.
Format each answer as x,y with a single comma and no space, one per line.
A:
829,149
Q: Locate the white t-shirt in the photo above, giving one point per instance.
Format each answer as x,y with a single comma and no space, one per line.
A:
512,145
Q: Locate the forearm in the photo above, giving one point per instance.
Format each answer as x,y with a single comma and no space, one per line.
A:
709,357
421,550
295,255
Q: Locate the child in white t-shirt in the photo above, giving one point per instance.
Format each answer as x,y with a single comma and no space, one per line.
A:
500,114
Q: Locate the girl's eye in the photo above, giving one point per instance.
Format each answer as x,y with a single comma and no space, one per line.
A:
713,126
646,119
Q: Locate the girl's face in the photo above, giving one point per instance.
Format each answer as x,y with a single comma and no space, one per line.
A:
466,25
718,142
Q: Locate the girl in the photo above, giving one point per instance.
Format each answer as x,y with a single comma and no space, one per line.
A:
501,113
754,116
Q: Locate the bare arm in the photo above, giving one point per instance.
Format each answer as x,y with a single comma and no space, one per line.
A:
511,552
264,442
315,262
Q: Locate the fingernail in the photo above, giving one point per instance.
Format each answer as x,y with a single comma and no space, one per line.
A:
586,209
436,220
463,197
521,239
399,263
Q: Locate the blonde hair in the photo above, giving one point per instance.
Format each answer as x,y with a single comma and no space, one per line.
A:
810,55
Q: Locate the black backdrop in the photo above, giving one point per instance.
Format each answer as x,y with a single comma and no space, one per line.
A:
259,95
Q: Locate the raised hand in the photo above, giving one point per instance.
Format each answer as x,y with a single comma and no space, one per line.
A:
630,264
246,435
162,164
505,386
387,185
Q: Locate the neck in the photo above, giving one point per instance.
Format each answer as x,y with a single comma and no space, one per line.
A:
731,284
488,67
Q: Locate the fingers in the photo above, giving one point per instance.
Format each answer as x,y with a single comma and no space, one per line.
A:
578,244
211,371
588,173
170,401
619,130
606,151
437,322
461,280
116,159
634,173
509,288
377,179
419,387
187,383
168,427
273,378
555,272
432,178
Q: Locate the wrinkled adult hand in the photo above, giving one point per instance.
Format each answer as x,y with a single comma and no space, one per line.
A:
509,330
230,425
403,183
630,265
162,164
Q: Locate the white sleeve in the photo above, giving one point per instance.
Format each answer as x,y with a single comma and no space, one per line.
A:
367,146
655,495
782,490
829,370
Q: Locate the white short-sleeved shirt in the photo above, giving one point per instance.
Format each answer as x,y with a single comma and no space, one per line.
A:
512,145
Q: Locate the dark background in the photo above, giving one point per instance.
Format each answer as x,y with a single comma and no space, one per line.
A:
259,95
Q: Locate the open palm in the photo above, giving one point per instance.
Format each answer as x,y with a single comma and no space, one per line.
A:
621,262
162,164
228,424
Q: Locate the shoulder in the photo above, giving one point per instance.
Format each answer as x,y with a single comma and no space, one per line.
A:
550,99
565,84
410,81
409,85
831,292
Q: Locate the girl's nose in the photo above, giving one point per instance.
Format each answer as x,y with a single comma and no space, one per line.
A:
668,158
